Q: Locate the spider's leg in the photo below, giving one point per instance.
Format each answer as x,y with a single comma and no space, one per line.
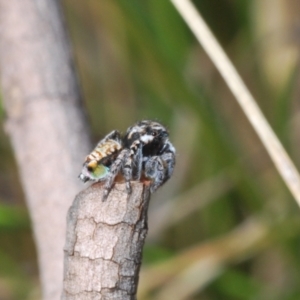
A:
169,161
132,167
113,172
127,171
155,171
159,169
137,163
168,156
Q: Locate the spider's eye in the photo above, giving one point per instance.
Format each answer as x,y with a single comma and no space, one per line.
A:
154,133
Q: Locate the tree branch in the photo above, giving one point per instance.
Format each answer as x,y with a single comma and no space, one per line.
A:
45,122
104,243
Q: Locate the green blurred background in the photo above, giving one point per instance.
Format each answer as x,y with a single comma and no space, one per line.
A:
225,226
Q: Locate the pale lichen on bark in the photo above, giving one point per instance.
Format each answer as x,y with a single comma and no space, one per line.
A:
104,243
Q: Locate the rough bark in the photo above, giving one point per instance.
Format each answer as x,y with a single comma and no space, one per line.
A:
104,243
45,122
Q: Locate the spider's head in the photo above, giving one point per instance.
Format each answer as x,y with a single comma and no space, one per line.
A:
152,135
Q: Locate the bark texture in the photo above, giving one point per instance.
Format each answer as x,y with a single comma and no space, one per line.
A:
104,243
45,122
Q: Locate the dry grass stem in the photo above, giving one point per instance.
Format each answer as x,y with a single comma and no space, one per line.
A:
282,161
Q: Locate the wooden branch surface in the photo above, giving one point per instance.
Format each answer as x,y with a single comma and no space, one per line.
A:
104,243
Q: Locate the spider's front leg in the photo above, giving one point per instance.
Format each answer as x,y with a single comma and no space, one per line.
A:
133,164
159,169
137,161
129,162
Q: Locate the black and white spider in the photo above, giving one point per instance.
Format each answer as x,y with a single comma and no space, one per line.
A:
145,152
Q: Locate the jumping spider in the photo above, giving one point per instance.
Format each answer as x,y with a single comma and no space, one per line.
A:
144,151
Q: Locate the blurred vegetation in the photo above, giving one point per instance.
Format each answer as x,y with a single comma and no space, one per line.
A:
225,226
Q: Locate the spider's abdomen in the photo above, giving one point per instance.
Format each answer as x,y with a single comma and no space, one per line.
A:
103,150
96,166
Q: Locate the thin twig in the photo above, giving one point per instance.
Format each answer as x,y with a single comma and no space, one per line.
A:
282,161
